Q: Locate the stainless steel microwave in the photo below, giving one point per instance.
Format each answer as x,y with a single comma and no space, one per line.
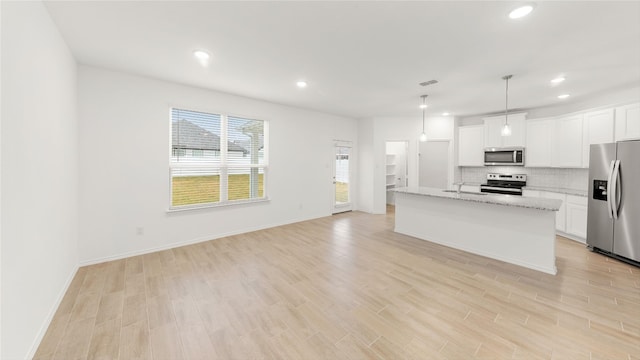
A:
512,156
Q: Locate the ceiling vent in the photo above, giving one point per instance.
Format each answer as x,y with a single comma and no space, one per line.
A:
430,82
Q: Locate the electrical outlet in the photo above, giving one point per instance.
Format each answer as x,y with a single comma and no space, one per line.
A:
139,231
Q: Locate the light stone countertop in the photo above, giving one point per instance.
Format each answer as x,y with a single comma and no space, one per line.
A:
566,191
498,199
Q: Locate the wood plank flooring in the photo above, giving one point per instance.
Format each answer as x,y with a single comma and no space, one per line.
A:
345,287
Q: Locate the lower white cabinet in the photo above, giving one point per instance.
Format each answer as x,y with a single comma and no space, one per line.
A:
560,214
571,219
577,216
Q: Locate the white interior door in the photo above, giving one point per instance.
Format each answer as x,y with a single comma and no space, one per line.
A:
434,164
341,179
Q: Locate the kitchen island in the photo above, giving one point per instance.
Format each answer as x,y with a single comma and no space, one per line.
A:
515,229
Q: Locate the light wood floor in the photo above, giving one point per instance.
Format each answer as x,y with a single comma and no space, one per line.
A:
346,287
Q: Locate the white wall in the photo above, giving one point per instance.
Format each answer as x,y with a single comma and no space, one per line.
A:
373,135
39,174
366,165
124,161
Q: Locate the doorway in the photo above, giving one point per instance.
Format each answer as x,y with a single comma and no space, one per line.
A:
341,178
433,166
396,167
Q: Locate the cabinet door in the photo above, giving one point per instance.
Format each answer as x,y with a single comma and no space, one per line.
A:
539,143
628,122
560,214
493,131
598,129
471,145
577,216
518,132
567,144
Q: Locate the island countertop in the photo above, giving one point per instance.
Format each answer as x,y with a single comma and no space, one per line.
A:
498,199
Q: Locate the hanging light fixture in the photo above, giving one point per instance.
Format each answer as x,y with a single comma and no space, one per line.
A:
423,136
506,129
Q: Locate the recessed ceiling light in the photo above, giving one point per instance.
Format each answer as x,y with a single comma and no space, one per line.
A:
563,96
521,11
423,106
301,84
445,114
558,80
201,55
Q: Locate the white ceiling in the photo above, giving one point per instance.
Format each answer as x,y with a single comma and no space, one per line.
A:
365,59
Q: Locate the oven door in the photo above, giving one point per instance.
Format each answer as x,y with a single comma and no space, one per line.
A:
501,190
504,157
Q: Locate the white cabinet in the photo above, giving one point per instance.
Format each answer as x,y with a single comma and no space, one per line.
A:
471,145
567,143
628,122
577,216
493,131
539,142
598,129
560,214
571,218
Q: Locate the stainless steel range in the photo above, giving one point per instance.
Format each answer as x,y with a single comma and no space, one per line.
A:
508,184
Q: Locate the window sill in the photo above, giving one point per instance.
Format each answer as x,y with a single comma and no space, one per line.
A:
215,205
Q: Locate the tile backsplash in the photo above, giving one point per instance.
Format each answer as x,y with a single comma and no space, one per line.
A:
577,179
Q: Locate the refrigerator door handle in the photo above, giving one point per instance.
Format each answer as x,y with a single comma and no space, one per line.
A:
610,189
615,193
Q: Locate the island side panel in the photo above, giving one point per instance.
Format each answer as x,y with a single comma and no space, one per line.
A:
517,235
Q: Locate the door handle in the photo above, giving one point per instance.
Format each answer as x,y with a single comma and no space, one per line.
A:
610,188
615,192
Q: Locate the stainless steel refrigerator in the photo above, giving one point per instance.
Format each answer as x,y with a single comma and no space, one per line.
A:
613,217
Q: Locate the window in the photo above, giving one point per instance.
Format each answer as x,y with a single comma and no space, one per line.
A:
216,159
197,152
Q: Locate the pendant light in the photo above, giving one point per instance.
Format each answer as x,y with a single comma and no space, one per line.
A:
506,129
423,136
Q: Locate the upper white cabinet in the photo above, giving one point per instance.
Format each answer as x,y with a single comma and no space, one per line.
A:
628,122
539,142
567,144
493,131
598,129
471,145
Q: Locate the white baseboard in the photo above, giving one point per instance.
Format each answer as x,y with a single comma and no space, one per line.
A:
52,312
191,241
571,237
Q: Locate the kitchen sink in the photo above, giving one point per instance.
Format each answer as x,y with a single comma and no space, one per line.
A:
465,192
